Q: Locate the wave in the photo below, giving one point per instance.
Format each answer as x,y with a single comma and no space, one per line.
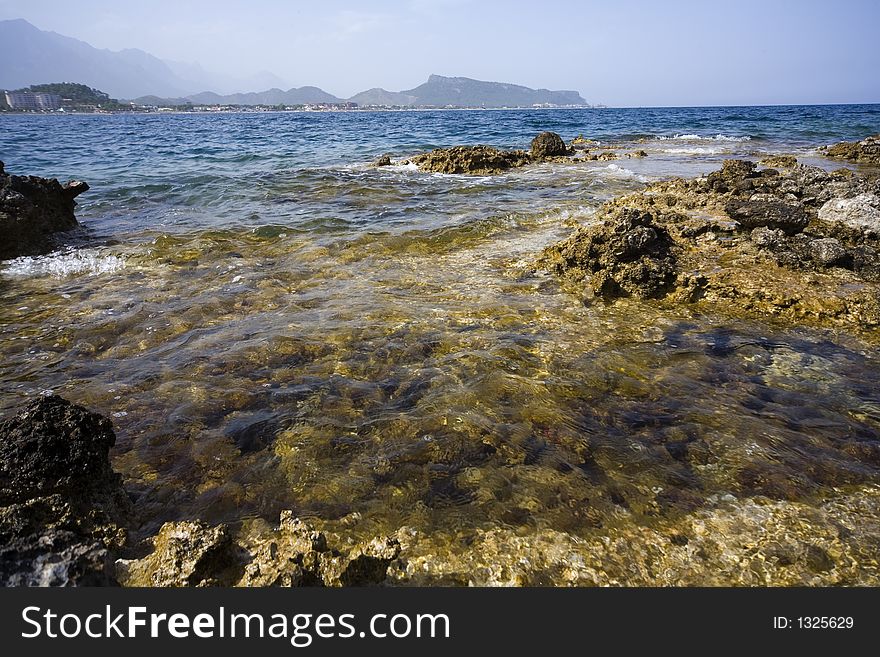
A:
617,171
696,150
690,137
62,264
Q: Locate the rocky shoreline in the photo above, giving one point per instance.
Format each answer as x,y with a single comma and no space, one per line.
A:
781,242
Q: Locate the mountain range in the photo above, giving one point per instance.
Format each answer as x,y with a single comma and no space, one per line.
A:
33,56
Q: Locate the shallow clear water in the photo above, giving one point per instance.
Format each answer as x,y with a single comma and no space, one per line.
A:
272,323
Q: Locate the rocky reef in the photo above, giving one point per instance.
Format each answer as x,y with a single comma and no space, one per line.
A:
800,244
32,211
62,508
477,160
486,160
866,151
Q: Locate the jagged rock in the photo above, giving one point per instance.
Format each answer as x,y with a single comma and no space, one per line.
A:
780,161
828,252
481,160
548,144
627,255
638,154
62,508
365,565
32,210
382,161
293,554
185,554
866,151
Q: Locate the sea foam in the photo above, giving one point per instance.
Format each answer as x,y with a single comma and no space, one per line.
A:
62,264
689,137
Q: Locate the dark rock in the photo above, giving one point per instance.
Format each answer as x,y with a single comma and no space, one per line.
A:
32,210
62,508
382,161
789,217
548,144
481,160
252,432
627,255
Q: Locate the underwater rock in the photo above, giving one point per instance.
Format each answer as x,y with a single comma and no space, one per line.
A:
732,542
800,243
548,144
481,160
866,151
63,507
627,255
32,210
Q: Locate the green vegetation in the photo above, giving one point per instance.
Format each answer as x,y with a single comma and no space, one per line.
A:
77,95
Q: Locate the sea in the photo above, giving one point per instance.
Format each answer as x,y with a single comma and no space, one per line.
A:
272,322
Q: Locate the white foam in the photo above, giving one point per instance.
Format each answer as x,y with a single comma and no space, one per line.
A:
695,150
690,137
62,264
618,171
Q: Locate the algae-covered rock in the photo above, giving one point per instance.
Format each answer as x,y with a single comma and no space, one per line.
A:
800,244
292,554
866,151
732,542
185,554
62,508
481,160
626,255
32,210
548,144
780,161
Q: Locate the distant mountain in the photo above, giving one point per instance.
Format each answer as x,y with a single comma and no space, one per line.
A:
377,96
32,56
441,91
300,96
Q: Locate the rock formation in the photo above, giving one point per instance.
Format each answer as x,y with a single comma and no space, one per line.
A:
62,508
32,210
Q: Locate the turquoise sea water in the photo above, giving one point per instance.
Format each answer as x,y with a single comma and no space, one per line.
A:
274,324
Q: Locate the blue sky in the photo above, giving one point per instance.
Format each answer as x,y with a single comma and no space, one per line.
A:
674,52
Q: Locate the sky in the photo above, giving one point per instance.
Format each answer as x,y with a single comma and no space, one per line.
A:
616,52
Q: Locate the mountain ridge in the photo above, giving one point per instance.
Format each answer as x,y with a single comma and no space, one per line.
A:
33,56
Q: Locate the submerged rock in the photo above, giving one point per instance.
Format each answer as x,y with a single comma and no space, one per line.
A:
63,508
32,210
482,160
866,151
548,144
732,542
